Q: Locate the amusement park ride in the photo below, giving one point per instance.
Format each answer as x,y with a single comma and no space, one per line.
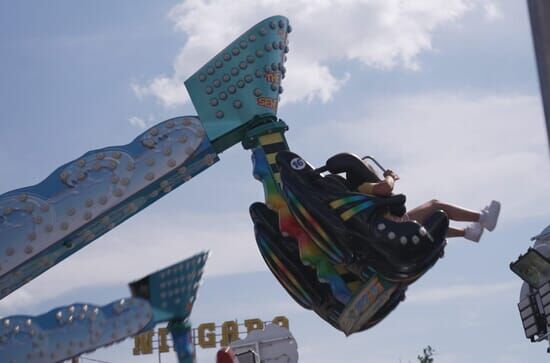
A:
331,247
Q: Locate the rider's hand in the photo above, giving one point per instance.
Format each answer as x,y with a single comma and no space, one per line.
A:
392,174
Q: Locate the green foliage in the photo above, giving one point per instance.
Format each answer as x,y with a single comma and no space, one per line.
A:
427,355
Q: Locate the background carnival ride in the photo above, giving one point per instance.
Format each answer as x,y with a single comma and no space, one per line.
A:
533,267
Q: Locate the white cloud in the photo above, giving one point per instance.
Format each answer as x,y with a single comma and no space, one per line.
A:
137,121
436,295
492,11
461,149
377,33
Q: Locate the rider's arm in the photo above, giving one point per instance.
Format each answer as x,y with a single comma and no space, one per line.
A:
381,189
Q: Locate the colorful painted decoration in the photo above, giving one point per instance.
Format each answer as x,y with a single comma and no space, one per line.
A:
69,331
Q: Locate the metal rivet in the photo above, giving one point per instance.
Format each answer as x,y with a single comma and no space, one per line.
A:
415,239
231,89
242,65
235,51
89,203
150,161
209,90
131,166
288,29
170,124
227,57
88,215
267,68
115,179
182,139
219,64
240,83
103,200
274,87
100,156
250,59
248,78
31,236
268,47
234,71
48,228
219,114
149,176
259,73
38,219
186,122
286,50
226,78
281,24
202,77
223,96
210,71
217,83
171,163
213,102
7,211
263,31
280,89
257,92
259,53
272,25
64,226
243,44
10,251
237,104
252,38
167,151
391,235
275,45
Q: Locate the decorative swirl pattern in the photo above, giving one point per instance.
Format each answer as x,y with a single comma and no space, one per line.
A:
72,330
45,223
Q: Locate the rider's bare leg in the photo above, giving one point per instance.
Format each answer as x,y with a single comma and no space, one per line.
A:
455,213
455,232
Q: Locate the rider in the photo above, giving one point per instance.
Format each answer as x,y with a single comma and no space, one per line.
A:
484,219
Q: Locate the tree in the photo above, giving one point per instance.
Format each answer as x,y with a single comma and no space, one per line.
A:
427,355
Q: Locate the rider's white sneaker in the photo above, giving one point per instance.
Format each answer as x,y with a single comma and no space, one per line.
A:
489,216
473,232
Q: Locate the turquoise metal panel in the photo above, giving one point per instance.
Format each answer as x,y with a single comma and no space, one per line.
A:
242,81
43,224
70,331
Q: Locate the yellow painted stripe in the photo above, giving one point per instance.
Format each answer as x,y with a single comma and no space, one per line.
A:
271,158
270,139
347,214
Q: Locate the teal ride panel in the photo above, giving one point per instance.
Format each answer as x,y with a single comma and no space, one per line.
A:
43,224
241,82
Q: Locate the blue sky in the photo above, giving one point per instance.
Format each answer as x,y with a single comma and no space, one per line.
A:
445,94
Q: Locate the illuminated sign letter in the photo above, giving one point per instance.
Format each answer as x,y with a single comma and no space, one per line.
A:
281,321
143,343
230,332
253,324
207,340
163,342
